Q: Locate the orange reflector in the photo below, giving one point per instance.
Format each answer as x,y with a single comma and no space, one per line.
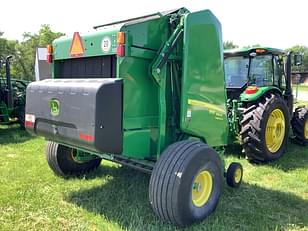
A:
251,90
49,49
77,46
49,54
260,51
121,38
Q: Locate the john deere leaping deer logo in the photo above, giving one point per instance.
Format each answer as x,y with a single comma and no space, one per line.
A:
54,105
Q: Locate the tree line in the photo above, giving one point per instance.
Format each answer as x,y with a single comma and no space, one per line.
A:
22,66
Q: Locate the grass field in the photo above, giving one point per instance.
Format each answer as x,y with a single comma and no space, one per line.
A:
272,197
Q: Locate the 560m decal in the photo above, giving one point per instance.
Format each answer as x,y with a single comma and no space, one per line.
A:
209,106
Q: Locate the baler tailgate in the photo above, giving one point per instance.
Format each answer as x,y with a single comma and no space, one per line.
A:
86,112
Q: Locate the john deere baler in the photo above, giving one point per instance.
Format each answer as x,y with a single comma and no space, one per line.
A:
148,93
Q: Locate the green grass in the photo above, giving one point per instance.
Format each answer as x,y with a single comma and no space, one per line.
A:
272,197
301,87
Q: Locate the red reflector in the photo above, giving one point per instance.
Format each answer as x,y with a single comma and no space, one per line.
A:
29,120
121,50
86,137
49,58
251,90
29,124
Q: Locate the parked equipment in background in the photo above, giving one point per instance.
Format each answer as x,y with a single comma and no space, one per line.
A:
260,101
42,67
12,97
148,93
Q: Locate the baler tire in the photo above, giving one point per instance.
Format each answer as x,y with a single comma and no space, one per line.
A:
181,171
59,159
299,124
234,175
253,129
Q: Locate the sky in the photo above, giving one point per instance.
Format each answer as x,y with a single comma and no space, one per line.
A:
274,23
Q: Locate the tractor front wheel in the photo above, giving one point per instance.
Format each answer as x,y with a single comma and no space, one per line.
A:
61,160
265,129
300,125
185,184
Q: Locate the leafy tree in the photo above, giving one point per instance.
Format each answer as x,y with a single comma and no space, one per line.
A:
7,47
229,45
302,50
26,50
22,66
252,46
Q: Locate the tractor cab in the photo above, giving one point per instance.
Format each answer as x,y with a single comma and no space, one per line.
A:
254,68
12,96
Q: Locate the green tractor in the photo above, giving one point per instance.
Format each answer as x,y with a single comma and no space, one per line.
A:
260,101
12,97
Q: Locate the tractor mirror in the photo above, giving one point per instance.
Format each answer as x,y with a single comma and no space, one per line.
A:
298,59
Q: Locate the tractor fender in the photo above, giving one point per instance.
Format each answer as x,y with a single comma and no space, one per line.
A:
259,93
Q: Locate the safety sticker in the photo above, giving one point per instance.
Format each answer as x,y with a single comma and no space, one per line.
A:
106,44
188,115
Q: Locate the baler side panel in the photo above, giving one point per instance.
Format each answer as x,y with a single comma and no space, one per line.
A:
140,91
203,102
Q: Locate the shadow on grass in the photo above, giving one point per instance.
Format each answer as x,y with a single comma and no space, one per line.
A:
13,134
296,157
235,150
123,200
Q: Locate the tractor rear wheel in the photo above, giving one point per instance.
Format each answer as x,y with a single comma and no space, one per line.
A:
300,125
185,184
61,160
265,129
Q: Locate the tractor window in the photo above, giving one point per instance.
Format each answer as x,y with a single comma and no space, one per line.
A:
261,71
277,71
236,70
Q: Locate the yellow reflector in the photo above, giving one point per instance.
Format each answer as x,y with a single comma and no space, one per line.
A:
77,46
121,38
49,49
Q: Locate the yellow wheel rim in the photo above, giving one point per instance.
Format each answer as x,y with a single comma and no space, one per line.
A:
275,130
202,188
306,129
238,175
